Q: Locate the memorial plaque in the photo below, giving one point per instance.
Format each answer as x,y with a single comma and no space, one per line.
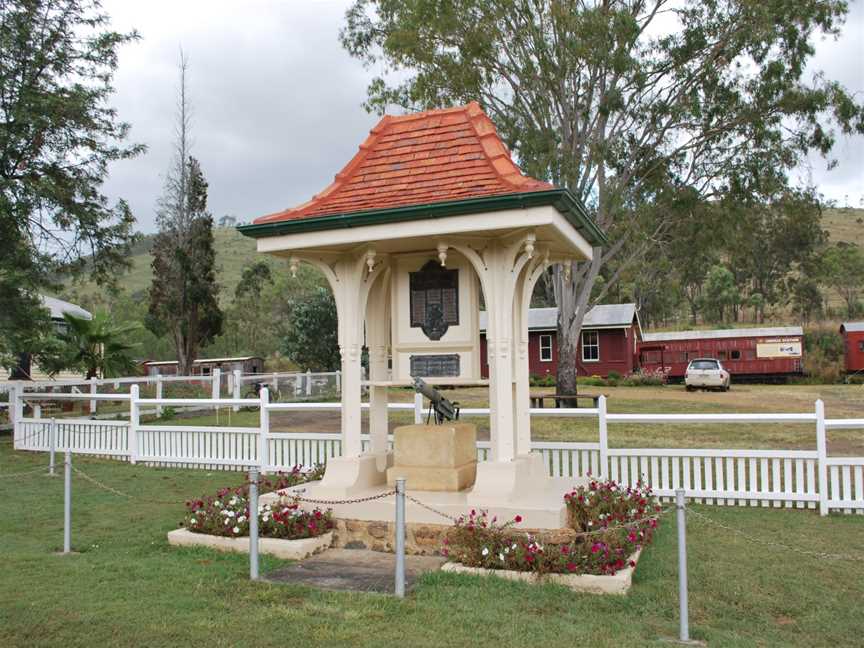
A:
434,299
433,366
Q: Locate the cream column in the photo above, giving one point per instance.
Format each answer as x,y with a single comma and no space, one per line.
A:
378,342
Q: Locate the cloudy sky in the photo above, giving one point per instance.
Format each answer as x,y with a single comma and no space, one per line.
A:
277,101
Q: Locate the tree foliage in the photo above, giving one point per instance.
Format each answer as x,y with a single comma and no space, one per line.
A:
97,347
311,340
843,267
631,105
58,134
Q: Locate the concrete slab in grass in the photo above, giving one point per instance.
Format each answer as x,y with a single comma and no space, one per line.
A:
355,570
285,549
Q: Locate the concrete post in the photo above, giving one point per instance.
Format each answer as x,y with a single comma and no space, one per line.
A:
683,613
604,438
399,588
94,388
338,381
235,386
253,524
418,407
52,446
216,385
67,503
298,383
821,457
264,430
158,393
134,420
308,382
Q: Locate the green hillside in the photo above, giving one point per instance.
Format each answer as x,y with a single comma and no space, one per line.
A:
233,252
844,225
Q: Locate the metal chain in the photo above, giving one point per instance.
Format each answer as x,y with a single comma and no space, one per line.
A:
453,519
358,500
775,545
43,469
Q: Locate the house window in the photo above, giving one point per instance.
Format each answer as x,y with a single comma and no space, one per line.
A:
722,355
734,354
545,348
590,346
205,371
861,345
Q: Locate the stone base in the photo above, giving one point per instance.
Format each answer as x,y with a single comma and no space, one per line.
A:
285,549
434,457
619,584
434,479
347,475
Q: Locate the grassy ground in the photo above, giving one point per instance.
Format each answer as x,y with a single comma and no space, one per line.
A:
127,587
841,401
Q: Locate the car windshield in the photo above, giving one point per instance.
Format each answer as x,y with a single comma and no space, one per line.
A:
704,364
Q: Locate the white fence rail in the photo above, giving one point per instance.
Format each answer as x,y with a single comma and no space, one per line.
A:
777,478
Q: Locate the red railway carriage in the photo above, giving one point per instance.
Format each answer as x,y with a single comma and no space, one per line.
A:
765,353
853,345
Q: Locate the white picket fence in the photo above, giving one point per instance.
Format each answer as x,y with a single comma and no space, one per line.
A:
778,478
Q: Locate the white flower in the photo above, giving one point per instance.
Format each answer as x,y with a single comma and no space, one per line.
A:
514,546
506,550
193,521
218,504
227,521
590,523
501,557
236,529
266,518
485,551
241,519
232,501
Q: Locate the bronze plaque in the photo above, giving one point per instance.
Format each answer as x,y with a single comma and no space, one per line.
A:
432,366
434,299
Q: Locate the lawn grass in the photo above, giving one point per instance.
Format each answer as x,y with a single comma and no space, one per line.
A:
127,587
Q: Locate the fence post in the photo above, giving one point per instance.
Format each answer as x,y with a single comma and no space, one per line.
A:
338,381
418,407
253,524
399,588
37,411
67,503
134,416
604,439
235,386
17,411
158,394
52,445
683,613
308,382
821,456
94,388
216,385
264,432
298,382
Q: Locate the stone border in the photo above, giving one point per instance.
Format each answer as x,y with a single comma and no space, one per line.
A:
586,583
285,549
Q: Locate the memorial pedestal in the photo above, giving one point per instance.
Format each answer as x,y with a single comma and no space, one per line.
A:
434,457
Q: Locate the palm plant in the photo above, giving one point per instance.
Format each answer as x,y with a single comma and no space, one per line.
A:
96,347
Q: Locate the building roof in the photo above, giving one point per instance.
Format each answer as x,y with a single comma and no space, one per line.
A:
425,165
420,158
776,331
201,360
58,307
852,327
602,316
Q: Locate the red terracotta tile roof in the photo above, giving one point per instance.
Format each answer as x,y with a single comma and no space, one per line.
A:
429,157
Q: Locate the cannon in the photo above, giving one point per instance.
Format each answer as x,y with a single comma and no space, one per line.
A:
444,409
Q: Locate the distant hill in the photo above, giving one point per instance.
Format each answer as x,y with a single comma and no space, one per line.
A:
844,224
233,252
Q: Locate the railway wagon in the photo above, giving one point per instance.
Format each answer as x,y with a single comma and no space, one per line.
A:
774,353
853,347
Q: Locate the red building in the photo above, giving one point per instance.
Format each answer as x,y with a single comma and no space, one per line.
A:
755,352
853,344
608,342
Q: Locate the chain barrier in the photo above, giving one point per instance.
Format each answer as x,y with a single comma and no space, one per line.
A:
774,545
453,519
357,500
120,493
43,469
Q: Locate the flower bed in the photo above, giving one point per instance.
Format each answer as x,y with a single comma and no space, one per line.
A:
612,523
227,513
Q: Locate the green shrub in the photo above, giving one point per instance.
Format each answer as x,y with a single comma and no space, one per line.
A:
168,413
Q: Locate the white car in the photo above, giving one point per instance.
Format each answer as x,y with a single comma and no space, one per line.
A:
706,373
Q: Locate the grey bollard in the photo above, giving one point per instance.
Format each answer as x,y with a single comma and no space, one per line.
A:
399,588
683,613
67,503
253,524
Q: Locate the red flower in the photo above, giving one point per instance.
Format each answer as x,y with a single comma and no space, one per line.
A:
565,549
517,519
571,566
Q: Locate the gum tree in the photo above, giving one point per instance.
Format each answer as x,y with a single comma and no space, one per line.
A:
625,103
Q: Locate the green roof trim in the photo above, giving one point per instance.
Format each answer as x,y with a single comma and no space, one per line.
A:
565,202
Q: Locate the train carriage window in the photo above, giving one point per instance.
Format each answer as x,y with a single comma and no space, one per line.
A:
861,345
734,354
590,346
721,355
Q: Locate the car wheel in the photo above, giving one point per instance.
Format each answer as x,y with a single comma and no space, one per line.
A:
690,388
